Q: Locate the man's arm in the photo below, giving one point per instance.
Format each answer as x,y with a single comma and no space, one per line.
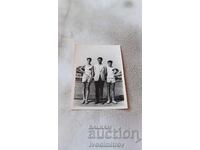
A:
105,72
82,69
92,71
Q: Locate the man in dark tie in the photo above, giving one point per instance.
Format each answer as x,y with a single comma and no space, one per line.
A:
99,79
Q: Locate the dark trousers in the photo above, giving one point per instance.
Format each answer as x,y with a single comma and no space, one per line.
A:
99,89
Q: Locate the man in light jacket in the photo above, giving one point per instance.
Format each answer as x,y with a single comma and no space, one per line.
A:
99,79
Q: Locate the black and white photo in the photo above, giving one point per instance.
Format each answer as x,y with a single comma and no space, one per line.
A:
99,81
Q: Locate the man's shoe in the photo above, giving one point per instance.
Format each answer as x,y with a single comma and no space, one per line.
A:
108,102
114,102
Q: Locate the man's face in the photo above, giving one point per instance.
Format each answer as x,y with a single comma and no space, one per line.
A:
88,61
109,64
99,61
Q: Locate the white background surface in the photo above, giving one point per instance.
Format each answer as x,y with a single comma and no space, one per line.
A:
28,62
28,75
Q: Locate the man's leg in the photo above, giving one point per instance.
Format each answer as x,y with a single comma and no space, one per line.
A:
87,92
113,93
101,86
84,92
96,83
108,93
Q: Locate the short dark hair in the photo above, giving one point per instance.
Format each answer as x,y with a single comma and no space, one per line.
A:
116,69
109,61
89,58
100,58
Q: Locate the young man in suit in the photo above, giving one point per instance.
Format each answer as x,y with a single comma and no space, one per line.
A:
99,79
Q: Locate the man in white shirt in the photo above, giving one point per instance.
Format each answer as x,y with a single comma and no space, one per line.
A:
99,79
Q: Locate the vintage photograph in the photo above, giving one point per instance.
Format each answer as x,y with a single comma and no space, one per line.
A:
99,81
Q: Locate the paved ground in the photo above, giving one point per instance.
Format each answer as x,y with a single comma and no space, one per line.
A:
92,104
